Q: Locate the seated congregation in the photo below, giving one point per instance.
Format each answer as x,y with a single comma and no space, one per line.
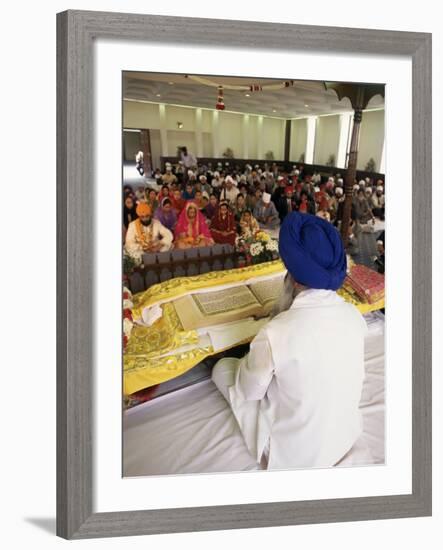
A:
202,207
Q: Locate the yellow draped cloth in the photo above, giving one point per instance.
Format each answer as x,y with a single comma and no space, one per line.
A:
164,350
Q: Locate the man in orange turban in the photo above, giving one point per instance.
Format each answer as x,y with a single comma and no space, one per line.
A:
143,210
146,234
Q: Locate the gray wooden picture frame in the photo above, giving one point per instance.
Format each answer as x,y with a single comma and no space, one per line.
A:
76,32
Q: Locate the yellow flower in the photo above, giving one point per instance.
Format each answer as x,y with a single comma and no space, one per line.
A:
262,236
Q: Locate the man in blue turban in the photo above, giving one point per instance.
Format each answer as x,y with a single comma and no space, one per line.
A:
296,394
312,251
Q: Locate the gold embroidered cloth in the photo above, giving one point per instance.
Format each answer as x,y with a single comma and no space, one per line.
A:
164,350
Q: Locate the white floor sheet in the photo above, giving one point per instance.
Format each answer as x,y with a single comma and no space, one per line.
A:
193,430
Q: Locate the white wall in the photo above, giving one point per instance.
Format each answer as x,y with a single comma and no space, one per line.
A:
208,150
261,137
274,137
326,138
229,128
330,133
372,135
140,115
253,137
230,133
180,138
299,134
180,114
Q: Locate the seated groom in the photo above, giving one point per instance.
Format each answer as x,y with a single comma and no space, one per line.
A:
296,394
146,234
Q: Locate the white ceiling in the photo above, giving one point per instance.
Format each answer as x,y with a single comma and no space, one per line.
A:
304,98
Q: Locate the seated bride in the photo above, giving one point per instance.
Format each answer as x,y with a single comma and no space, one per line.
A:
191,229
248,225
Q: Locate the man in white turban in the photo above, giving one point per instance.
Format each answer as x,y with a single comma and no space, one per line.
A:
230,191
168,178
266,213
216,181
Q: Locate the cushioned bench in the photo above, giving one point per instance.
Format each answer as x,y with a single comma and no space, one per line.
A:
162,266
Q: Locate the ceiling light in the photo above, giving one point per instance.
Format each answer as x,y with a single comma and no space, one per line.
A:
306,105
247,95
170,83
274,110
179,125
158,95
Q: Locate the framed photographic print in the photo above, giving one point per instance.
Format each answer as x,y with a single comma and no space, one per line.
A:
234,348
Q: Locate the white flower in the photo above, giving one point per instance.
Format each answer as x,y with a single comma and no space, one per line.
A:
127,291
136,256
127,304
272,246
127,327
256,249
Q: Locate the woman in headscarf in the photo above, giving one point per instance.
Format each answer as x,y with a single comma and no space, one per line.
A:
151,198
198,199
306,205
248,225
166,214
240,206
164,193
177,201
223,226
129,211
211,208
191,229
323,211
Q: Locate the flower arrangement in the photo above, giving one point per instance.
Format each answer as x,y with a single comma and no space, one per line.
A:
130,263
128,321
258,248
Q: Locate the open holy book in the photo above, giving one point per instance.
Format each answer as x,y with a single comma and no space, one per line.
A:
231,304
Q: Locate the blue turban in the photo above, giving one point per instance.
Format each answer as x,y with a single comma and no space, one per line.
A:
312,251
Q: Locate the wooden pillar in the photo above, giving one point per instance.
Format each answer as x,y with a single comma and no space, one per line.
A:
145,143
287,140
350,176
359,96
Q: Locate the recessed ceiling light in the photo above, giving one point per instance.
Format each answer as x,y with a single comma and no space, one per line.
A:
306,105
158,95
170,83
247,95
274,110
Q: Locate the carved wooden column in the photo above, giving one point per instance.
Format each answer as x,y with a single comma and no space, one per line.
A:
145,143
350,176
359,96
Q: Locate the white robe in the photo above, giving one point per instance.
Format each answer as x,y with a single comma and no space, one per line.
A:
229,195
298,390
160,234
